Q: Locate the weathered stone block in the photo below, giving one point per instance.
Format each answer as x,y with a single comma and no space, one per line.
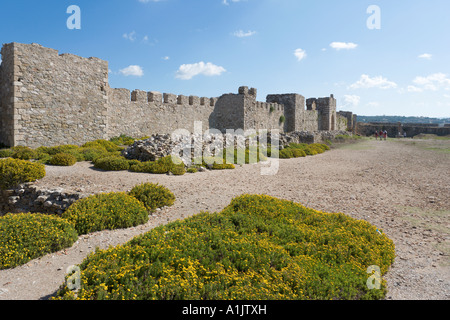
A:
154,96
170,98
182,100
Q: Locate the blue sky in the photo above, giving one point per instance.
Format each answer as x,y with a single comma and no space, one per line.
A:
211,47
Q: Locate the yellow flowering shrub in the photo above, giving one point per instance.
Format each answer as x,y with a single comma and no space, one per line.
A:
257,248
106,211
111,163
153,196
63,159
27,236
14,172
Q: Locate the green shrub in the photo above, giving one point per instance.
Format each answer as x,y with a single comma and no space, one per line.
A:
282,119
153,196
286,153
224,166
297,153
192,170
112,163
178,170
143,167
63,159
27,236
68,148
257,248
122,140
6,153
23,153
108,145
310,151
106,211
93,153
14,172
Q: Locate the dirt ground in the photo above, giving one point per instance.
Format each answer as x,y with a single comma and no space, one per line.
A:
402,187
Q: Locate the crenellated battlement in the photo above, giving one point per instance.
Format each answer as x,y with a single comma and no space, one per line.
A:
48,99
157,98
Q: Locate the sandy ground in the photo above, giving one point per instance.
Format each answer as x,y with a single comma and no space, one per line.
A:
402,188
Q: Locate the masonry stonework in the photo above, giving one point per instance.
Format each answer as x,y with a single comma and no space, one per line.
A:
48,99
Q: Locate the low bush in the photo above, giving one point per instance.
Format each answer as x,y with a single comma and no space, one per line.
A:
286,153
67,148
108,145
112,163
27,236
122,140
153,196
257,248
14,172
93,153
23,153
162,166
298,153
224,166
192,170
106,212
6,153
63,159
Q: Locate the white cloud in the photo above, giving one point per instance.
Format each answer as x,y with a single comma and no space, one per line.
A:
132,70
300,54
351,100
367,82
433,82
242,34
414,89
426,56
166,58
225,2
147,1
130,36
343,45
373,104
188,71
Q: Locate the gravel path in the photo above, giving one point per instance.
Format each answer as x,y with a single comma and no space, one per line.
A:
400,188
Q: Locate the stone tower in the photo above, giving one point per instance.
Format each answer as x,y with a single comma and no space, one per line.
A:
327,111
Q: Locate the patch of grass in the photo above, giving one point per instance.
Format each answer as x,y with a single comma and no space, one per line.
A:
427,219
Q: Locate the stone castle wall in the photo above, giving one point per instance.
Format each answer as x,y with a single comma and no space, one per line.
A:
48,99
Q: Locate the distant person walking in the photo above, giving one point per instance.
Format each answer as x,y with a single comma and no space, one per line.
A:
376,135
381,135
385,135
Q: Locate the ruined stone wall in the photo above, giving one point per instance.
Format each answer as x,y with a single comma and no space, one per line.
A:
342,123
144,113
310,120
48,99
262,115
58,99
368,129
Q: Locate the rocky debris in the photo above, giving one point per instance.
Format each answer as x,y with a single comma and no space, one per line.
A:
159,146
27,198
